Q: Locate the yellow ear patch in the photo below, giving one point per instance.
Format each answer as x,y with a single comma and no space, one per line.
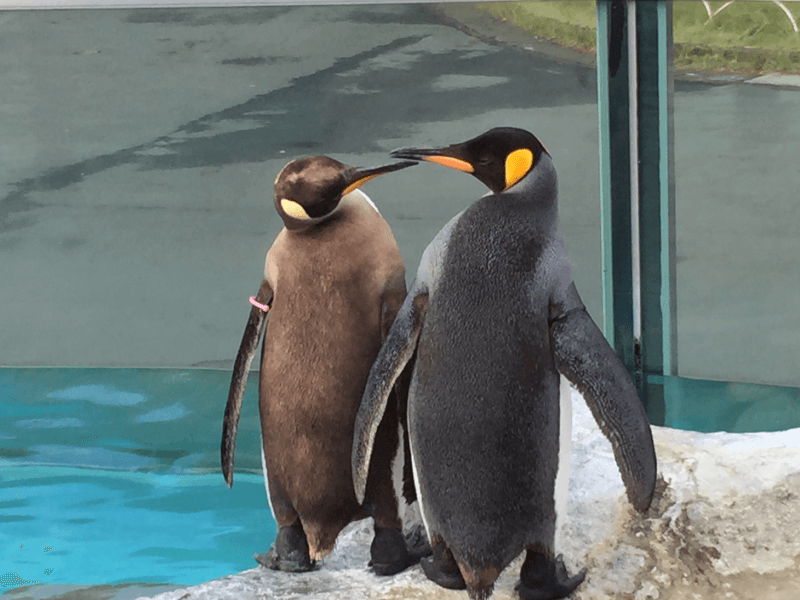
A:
293,209
449,161
518,163
358,183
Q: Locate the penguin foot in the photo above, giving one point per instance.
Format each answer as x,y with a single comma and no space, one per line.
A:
544,580
442,569
289,552
417,543
389,553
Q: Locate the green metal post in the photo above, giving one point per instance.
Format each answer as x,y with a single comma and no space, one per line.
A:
606,263
615,224
668,302
637,191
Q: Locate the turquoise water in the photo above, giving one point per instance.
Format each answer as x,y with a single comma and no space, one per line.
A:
112,475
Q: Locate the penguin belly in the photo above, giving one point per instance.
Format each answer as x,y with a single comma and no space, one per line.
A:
484,431
317,355
564,456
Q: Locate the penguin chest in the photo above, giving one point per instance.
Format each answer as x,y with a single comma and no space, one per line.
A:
321,338
317,355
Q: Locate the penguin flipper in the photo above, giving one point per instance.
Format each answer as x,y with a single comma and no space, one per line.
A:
395,353
393,296
584,357
253,331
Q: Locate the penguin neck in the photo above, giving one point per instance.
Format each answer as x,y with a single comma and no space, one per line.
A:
537,195
359,199
533,200
351,206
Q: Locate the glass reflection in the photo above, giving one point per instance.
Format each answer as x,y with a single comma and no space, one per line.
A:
141,146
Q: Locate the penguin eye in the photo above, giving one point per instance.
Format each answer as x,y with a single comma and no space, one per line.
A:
485,161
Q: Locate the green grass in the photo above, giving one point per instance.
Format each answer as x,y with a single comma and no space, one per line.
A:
746,37
567,23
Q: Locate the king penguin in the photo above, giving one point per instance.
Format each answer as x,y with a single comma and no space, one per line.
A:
333,282
493,319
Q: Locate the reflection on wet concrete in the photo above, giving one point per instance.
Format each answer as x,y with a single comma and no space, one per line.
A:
737,243
77,225
332,110
135,206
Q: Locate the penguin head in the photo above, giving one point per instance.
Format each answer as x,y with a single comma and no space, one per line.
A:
308,190
499,158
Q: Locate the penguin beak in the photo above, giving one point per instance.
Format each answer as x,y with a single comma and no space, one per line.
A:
447,156
358,176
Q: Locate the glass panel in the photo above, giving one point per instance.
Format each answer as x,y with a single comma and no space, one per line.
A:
737,209
737,138
140,147
736,149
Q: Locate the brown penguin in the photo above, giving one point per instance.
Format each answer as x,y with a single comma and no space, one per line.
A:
333,282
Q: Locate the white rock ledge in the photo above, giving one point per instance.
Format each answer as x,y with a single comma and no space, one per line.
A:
725,524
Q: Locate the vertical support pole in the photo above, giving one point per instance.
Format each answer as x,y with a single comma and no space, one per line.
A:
669,286
657,200
637,191
633,151
604,153
615,199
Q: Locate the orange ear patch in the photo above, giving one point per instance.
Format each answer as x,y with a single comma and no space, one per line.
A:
518,163
449,161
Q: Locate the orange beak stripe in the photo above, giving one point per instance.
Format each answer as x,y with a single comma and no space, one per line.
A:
358,183
449,161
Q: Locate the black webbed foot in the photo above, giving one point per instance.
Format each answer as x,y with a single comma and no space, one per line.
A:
543,579
289,551
417,543
442,569
389,553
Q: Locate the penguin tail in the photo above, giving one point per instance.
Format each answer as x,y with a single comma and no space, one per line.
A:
321,540
479,592
480,582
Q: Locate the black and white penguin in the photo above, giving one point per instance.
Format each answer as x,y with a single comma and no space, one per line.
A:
333,282
494,319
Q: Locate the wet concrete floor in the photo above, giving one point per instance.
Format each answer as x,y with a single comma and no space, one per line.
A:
139,149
